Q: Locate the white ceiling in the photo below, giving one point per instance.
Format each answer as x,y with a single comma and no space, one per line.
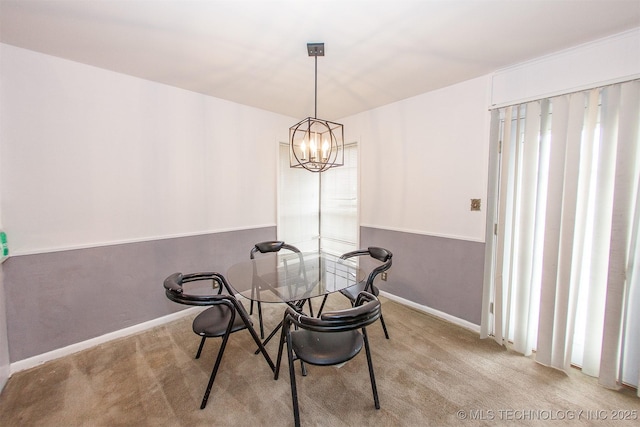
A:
254,51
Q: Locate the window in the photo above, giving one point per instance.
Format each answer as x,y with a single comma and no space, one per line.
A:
319,210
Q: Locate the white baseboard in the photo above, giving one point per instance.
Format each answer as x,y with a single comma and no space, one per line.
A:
442,315
34,361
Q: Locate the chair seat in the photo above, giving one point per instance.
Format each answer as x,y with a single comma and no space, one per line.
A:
213,322
352,291
326,348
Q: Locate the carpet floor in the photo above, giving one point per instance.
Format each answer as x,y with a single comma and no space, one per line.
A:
430,373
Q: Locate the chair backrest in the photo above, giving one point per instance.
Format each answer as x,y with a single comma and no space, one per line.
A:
381,254
365,312
271,246
175,292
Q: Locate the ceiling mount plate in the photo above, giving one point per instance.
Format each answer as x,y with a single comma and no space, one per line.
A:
315,49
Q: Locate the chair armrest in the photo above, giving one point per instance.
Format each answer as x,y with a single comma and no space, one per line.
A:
361,307
357,317
292,316
181,298
365,296
175,292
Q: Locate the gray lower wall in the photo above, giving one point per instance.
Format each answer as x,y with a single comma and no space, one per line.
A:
61,298
4,341
440,273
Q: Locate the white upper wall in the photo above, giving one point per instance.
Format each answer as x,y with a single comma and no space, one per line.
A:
424,158
93,157
609,60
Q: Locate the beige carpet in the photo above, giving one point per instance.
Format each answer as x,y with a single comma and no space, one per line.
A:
429,373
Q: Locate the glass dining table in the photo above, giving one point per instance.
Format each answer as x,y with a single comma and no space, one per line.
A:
292,278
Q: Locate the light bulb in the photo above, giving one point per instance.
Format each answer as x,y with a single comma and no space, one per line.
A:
325,149
303,148
313,146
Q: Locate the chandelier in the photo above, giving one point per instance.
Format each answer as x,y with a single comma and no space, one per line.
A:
315,144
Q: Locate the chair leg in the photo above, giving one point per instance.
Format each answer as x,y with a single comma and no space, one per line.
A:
260,319
371,374
292,377
259,316
215,370
384,327
200,347
280,348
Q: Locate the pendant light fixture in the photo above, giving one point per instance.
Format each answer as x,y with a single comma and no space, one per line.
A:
315,144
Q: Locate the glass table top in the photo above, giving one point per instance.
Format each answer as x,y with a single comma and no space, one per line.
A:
279,277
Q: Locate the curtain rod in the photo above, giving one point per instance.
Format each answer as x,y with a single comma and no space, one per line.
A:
566,92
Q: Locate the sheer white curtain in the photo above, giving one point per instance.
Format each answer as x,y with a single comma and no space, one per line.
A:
298,204
339,205
563,223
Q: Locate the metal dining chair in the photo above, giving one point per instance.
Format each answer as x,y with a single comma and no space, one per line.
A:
334,338
225,316
270,246
384,256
